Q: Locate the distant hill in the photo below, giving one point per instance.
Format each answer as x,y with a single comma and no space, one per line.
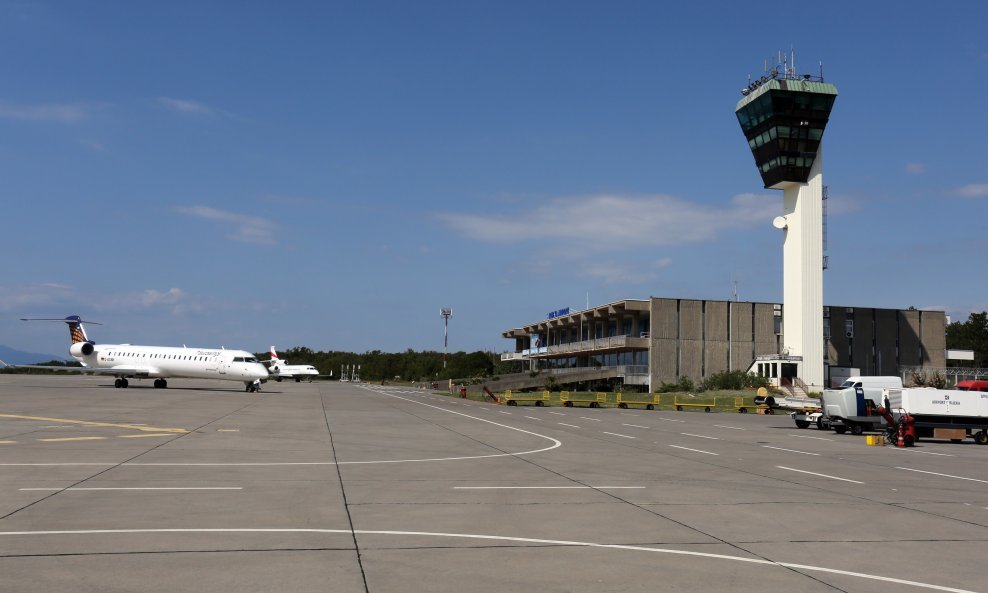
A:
11,356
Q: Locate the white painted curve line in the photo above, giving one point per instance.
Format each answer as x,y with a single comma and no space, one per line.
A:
694,450
803,436
699,436
789,450
555,444
548,487
943,475
816,474
731,427
634,425
527,540
618,435
591,419
569,425
72,489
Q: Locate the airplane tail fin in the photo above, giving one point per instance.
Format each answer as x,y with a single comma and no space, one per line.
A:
274,355
77,333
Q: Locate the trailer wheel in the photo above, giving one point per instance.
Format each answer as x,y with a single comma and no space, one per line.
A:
539,404
769,411
649,407
981,438
802,424
512,403
857,429
623,406
742,410
840,429
679,408
706,409
908,440
568,404
819,424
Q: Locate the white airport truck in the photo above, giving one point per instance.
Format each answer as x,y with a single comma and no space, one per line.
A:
942,413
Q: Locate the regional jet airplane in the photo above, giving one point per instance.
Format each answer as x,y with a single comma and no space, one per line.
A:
158,362
280,369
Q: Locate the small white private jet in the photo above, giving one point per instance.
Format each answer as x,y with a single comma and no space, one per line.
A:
280,369
127,361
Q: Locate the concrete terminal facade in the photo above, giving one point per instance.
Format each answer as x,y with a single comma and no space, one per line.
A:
663,340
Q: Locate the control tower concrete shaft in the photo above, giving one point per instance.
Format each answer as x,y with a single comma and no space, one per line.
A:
783,117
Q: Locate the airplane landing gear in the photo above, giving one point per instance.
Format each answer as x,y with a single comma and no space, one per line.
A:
120,383
160,384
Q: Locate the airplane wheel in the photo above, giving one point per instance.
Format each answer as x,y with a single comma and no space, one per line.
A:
124,383
116,383
164,384
298,379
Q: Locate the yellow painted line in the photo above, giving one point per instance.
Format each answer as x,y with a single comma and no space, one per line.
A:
88,423
73,439
141,436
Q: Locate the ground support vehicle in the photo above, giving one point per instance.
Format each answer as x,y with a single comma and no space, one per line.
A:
943,413
853,406
649,400
592,400
706,407
538,398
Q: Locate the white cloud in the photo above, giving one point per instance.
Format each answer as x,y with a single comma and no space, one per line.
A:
915,168
34,296
974,190
45,112
248,229
618,222
186,106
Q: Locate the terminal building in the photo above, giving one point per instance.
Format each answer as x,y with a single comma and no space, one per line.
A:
646,343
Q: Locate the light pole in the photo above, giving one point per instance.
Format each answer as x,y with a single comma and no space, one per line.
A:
445,314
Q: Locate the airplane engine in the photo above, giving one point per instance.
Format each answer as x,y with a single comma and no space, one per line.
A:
81,349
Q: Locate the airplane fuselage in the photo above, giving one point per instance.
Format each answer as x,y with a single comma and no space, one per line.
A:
163,362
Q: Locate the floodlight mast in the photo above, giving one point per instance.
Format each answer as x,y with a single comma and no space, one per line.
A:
783,117
445,314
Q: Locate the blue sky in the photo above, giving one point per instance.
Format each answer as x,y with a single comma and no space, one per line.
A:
330,174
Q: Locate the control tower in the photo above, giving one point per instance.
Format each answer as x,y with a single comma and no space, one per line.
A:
783,116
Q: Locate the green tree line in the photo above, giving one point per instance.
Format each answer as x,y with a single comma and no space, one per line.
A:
406,366
970,335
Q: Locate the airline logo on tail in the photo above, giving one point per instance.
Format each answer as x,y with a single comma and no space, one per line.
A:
274,355
76,332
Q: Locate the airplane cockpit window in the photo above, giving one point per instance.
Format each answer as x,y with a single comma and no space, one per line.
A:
249,359
238,359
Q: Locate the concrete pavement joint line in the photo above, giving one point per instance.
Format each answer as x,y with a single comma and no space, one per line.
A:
712,556
569,425
89,423
618,435
816,474
699,436
694,450
943,475
789,450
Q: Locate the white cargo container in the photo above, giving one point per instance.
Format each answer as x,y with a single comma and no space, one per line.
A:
853,404
942,413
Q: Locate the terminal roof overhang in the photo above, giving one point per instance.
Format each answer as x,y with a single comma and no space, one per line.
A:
574,319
